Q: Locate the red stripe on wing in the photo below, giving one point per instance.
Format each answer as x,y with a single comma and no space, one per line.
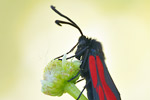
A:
92,66
100,92
93,71
108,92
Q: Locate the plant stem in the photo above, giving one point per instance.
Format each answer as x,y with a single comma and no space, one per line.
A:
74,91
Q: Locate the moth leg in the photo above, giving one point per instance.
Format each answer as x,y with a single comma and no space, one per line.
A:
79,53
83,89
80,80
83,64
68,51
85,59
75,76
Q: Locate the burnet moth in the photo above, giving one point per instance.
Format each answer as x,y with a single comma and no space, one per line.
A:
99,83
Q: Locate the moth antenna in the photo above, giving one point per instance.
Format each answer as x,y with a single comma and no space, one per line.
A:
63,22
59,22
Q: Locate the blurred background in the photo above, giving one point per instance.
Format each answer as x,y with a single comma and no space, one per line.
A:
29,39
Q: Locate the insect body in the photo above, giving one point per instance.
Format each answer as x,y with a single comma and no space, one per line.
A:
99,83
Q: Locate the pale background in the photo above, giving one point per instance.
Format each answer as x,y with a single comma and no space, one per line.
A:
29,39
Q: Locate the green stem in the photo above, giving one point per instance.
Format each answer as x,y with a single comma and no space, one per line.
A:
74,91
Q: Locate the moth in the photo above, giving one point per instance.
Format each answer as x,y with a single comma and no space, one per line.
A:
99,83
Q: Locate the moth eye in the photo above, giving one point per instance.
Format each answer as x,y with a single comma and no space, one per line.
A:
82,42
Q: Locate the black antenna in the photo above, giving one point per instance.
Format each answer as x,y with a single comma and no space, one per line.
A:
59,22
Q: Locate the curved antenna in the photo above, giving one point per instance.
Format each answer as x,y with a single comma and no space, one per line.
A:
58,22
